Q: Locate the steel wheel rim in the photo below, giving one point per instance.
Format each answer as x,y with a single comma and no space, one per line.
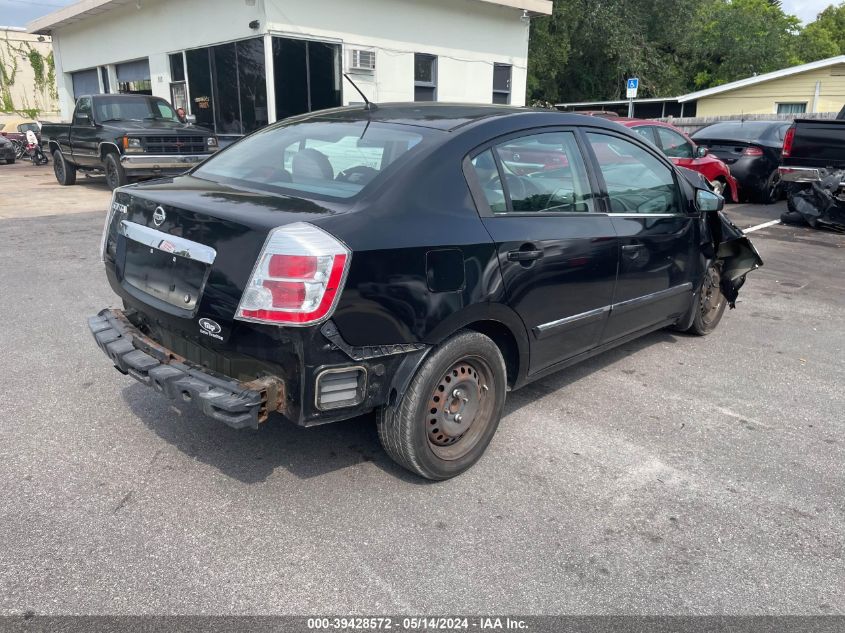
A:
460,408
712,299
59,168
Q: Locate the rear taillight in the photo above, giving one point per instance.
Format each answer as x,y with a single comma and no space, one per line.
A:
787,141
114,207
752,151
297,279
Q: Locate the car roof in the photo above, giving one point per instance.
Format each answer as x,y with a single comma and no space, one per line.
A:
102,95
439,116
764,128
628,122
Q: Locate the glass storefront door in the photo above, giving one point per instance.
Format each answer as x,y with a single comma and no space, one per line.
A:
228,87
307,76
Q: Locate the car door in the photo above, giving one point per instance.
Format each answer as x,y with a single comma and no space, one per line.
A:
557,252
83,134
658,236
679,149
647,132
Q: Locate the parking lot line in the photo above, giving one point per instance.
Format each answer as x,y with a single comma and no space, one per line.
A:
761,226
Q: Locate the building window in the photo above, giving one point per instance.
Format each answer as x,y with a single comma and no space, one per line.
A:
425,77
178,86
134,77
502,83
104,75
307,76
792,108
177,67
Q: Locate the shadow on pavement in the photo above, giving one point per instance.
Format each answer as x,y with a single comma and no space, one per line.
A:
251,456
95,181
566,377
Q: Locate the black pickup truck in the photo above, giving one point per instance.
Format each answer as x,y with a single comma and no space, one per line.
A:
814,170
126,137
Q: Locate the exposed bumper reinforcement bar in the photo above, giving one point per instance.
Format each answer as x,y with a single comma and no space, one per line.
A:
234,403
806,174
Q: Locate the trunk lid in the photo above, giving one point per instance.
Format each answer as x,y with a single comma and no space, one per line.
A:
186,247
727,151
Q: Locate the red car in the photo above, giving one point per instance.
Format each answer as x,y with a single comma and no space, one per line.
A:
683,151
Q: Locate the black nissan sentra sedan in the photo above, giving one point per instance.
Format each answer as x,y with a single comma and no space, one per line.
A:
416,260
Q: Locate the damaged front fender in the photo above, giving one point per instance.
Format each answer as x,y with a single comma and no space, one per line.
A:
729,246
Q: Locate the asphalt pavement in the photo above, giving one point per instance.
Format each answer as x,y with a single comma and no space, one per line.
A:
676,475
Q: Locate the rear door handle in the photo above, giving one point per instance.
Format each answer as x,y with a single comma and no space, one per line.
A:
524,256
631,247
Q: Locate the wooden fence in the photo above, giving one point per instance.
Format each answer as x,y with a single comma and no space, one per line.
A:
693,124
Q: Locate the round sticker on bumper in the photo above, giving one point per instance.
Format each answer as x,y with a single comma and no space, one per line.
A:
210,328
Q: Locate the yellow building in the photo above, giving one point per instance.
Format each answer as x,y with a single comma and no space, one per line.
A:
815,87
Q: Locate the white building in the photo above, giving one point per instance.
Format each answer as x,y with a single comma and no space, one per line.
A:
239,64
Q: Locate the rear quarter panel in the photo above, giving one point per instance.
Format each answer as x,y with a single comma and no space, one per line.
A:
406,236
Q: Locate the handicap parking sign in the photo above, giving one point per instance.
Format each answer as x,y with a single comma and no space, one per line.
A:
631,86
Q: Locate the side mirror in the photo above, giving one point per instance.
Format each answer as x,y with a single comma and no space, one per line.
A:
191,118
84,118
701,152
708,201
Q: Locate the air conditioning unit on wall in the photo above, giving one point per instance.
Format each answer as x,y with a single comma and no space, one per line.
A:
362,60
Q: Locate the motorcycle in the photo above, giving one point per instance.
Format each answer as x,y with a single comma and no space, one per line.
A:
35,155
20,148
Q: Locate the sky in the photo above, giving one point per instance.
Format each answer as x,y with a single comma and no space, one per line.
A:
19,12
807,10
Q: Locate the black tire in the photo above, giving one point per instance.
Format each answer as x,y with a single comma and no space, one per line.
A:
10,161
65,172
711,303
792,217
115,174
773,189
410,430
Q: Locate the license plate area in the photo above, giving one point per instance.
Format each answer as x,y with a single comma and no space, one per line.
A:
167,268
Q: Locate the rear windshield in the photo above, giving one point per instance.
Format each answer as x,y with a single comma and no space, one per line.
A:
132,109
742,131
336,159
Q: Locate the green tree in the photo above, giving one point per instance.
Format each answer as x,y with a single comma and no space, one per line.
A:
548,53
586,49
832,21
734,39
815,42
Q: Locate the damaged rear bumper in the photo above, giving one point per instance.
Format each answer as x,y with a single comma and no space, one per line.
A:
234,403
